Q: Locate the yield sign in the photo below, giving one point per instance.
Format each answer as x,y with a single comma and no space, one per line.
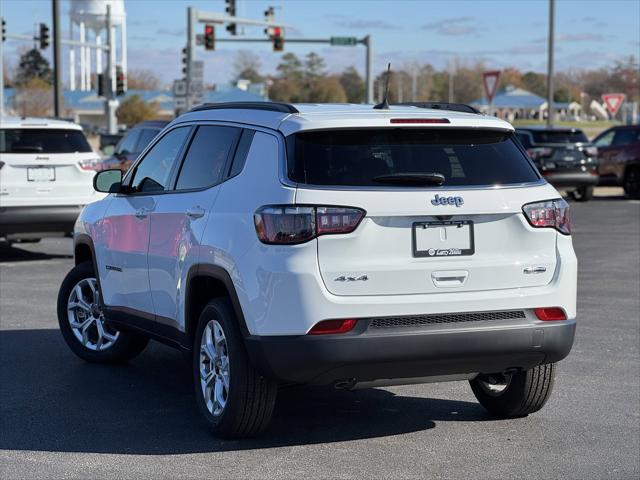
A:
613,101
490,81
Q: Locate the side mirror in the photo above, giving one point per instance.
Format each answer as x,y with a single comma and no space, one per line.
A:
108,181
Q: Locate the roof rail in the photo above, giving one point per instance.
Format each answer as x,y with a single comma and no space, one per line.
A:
269,106
454,107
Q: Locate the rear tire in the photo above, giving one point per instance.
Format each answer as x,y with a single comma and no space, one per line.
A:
82,322
583,194
234,399
632,182
517,394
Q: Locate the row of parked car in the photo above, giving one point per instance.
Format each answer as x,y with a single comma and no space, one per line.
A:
568,160
47,166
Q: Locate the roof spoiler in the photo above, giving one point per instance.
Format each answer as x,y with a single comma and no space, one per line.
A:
454,107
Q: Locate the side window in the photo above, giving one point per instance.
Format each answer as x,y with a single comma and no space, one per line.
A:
128,144
154,170
605,139
207,156
624,136
240,157
146,136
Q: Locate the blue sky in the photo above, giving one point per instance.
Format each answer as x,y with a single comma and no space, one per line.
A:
502,33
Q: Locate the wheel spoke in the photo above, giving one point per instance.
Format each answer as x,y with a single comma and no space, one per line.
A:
85,331
218,393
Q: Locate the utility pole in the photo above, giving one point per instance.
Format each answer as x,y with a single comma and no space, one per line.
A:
369,68
111,103
191,52
550,112
450,83
57,60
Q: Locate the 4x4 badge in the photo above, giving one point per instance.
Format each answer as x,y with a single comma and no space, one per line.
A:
438,200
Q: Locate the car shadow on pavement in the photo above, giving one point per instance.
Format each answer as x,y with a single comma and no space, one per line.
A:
9,253
52,401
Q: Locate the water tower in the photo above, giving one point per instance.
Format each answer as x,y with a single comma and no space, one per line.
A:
90,18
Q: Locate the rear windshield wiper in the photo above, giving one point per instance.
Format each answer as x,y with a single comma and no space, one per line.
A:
417,179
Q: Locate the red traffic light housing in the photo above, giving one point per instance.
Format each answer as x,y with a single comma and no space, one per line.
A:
209,37
278,39
120,81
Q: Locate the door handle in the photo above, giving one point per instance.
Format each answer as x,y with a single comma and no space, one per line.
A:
142,213
195,212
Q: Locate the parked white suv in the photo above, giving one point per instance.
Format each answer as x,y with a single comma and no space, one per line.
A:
329,244
46,167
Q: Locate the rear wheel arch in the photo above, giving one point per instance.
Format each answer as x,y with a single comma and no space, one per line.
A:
206,282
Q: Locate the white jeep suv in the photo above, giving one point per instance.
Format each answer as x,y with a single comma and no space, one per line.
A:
46,167
329,244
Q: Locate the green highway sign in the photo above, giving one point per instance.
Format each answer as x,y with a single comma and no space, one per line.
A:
344,41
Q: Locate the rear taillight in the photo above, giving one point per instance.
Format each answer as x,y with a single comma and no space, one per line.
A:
89,164
327,327
549,214
550,314
286,225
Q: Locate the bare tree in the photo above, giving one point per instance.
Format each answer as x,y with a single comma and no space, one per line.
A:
33,98
247,66
139,79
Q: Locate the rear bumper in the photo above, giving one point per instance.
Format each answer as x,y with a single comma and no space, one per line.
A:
38,219
364,356
571,179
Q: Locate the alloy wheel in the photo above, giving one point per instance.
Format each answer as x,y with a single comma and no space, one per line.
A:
86,317
214,368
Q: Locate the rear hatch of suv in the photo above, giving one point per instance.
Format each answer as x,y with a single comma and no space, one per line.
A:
45,166
420,234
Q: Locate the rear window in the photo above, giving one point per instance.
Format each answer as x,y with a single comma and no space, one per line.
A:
559,136
356,157
34,140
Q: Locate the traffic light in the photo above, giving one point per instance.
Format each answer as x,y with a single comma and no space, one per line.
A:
184,61
100,85
231,11
120,81
278,39
4,30
44,36
209,37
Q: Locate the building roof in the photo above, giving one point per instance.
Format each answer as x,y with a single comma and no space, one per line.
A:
512,97
324,116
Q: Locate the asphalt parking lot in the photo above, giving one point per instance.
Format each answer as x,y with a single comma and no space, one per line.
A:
63,418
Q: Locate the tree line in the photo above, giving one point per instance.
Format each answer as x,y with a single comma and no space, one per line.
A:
307,80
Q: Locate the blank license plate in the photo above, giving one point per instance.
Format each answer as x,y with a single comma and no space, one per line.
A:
443,239
41,174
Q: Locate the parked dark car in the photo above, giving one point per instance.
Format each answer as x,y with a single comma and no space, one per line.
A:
619,151
564,156
130,146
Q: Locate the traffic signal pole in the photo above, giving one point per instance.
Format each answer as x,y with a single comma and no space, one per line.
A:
195,16
550,111
57,60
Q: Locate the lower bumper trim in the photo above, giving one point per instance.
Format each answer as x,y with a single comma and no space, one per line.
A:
371,356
